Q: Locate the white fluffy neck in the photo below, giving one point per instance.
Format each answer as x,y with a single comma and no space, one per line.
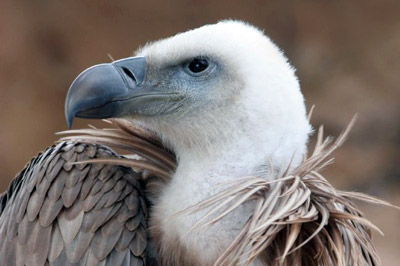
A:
199,175
242,145
237,153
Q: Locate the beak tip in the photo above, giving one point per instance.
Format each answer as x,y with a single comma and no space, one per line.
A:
69,123
69,119
69,115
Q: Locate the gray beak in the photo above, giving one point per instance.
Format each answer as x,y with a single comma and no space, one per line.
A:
113,90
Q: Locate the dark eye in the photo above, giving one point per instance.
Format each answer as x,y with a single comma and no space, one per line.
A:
198,65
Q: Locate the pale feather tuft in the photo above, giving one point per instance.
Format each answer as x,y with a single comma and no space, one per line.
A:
140,149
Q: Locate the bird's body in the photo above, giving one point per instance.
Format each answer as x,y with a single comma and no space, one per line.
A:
224,99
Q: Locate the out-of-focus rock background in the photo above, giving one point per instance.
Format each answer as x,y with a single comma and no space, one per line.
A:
347,56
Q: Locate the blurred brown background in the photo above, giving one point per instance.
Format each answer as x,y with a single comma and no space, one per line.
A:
347,57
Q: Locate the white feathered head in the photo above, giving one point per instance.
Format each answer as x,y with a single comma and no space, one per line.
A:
202,90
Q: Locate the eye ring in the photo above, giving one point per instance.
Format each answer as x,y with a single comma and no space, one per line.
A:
197,65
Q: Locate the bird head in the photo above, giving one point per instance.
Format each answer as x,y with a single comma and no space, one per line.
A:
199,89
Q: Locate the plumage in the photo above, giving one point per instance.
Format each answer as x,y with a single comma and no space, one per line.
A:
54,228
214,131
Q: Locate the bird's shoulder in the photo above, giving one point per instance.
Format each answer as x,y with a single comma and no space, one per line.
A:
58,212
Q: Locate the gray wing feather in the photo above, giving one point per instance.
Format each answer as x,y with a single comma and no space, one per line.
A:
57,212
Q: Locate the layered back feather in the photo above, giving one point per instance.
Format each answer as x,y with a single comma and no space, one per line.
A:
62,209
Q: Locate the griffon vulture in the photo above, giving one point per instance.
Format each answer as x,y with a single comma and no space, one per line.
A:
226,184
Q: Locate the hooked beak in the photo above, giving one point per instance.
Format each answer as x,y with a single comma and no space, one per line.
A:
114,90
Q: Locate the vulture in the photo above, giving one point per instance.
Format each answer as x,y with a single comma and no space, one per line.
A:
205,163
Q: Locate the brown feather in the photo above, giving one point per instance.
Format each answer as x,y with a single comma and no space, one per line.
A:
102,248
49,211
125,239
76,249
139,242
56,244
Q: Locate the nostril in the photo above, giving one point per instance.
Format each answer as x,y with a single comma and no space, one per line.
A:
128,73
